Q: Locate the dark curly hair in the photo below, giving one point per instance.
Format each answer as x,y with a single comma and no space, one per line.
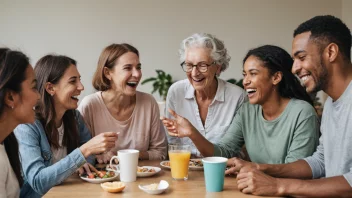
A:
328,29
277,59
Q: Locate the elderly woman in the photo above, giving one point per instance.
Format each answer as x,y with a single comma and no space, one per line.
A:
209,103
58,143
18,97
278,125
119,107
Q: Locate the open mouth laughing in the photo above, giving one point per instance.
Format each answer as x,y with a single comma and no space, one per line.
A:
74,98
132,84
197,80
251,92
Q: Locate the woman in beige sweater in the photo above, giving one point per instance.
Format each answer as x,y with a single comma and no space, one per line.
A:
119,107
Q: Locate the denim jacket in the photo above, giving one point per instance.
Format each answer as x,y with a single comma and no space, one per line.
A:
39,173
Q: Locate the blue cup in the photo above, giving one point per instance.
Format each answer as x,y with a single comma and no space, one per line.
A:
214,173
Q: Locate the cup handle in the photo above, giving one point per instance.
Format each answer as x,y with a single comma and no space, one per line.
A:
117,167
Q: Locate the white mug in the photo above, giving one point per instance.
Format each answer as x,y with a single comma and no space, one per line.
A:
128,160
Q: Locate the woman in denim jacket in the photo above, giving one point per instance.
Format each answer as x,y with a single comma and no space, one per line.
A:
58,143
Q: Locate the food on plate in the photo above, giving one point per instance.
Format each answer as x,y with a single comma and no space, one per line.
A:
152,186
145,170
113,187
196,163
96,174
104,174
192,163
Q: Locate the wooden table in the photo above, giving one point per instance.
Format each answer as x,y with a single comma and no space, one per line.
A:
193,187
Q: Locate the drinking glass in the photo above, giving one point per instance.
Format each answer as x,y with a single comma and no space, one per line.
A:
179,161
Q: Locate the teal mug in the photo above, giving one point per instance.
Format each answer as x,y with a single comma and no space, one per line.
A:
214,173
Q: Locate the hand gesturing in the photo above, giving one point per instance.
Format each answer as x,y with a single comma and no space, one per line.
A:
178,127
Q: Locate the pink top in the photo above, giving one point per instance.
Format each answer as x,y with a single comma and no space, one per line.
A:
142,131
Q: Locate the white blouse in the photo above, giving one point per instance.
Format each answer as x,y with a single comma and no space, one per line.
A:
60,152
227,100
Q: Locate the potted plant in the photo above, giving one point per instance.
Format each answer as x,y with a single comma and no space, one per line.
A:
161,84
236,82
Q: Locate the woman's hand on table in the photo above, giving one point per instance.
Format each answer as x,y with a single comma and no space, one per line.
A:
99,144
178,127
236,165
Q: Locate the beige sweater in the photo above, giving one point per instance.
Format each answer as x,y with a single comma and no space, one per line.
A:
142,131
8,182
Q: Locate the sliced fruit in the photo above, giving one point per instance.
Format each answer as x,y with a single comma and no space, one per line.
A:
113,187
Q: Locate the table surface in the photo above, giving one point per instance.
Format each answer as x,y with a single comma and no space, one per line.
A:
194,186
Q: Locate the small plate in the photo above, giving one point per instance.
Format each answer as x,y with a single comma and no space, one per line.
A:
165,164
139,174
148,174
98,181
193,167
162,186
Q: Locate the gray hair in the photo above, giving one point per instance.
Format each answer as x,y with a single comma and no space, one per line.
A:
218,51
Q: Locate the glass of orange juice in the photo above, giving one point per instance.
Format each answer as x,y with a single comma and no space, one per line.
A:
179,159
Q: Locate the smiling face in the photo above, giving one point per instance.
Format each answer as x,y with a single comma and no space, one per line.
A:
27,98
257,81
126,74
68,88
201,81
308,63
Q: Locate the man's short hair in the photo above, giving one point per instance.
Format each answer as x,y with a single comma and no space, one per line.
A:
328,29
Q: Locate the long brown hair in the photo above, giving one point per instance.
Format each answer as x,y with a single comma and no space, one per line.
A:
13,65
51,68
108,59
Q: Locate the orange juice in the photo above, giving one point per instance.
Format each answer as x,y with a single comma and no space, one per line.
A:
179,160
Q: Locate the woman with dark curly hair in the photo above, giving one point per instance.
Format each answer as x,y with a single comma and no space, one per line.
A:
278,124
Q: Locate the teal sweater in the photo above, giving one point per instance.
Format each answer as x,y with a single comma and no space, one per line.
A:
291,136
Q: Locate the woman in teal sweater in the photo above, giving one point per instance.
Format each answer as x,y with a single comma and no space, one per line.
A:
278,124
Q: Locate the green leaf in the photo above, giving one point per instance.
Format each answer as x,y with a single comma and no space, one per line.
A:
168,77
231,80
240,83
161,84
148,80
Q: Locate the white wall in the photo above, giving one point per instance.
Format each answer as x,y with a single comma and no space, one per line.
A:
347,13
81,29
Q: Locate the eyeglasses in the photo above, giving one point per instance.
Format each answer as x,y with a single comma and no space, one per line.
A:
201,67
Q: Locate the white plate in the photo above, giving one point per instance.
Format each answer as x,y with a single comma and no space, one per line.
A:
98,181
196,167
162,186
139,174
163,164
148,174
190,167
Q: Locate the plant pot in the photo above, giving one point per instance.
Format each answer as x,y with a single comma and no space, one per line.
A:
161,105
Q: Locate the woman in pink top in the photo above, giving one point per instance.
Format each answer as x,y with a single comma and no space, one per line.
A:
119,107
